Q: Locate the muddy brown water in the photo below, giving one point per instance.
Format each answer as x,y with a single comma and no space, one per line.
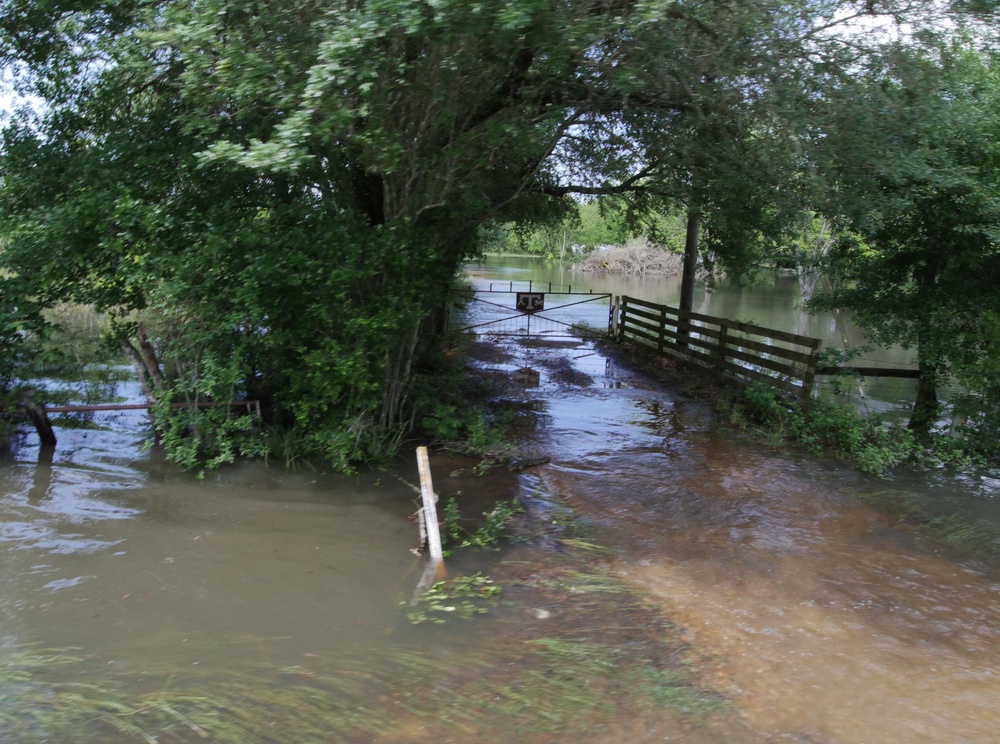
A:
827,620
107,549
824,619
820,618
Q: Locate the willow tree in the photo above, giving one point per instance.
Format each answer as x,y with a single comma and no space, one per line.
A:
292,184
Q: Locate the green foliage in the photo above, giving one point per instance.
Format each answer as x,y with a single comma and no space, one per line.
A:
464,597
292,191
20,322
454,533
828,427
495,523
443,422
206,438
977,408
585,226
920,185
487,435
489,534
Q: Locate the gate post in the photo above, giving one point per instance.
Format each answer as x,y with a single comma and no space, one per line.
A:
809,376
723,336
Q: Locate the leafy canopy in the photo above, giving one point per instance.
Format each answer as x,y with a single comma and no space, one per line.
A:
289,186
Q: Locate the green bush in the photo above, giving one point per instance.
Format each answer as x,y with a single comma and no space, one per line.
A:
828,427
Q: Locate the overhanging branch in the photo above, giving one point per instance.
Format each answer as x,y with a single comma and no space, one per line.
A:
632,184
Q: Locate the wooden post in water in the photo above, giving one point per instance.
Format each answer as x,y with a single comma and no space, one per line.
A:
428,517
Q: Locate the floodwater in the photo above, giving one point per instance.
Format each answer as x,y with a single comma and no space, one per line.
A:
775,303
819,618
827,621
108,548
824,619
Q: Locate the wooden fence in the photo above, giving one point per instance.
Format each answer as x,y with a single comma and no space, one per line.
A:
737,351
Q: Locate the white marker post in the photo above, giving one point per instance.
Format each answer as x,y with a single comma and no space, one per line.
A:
429,521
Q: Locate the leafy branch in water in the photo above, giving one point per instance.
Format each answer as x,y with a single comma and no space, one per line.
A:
463,596
489,533
828,428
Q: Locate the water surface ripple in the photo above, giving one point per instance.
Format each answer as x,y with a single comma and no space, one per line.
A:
826,620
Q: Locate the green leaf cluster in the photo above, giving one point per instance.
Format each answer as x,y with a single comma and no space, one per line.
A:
464,597
920,183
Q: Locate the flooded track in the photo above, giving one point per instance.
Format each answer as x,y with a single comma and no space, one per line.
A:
824,619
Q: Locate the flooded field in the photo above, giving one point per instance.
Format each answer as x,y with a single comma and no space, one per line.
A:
139,603
673,582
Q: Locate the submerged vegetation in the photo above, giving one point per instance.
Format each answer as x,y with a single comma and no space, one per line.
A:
592,660
967,534
463,597
829,427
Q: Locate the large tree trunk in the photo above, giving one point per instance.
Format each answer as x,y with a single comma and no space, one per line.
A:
38,417
925,407
690,267
144,362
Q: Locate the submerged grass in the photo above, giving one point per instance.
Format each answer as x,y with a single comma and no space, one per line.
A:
569,650
969,535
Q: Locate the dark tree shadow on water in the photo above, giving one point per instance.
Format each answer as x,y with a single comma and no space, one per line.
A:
43,475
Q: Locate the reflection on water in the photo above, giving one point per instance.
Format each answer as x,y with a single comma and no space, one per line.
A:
106,550
773,304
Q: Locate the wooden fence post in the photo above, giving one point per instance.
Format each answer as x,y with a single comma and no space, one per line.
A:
622,315
809,376
429,512
661,335
723,336
683,328
431,530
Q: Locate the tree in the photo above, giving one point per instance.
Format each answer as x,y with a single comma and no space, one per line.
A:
290,185
922,188
20,320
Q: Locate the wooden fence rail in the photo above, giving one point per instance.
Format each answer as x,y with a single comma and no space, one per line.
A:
737,351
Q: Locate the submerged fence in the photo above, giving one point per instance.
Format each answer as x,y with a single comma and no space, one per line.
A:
742,352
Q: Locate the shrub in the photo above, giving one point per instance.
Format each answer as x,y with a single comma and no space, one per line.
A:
827,427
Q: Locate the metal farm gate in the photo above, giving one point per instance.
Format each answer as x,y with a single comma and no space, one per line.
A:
530,310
